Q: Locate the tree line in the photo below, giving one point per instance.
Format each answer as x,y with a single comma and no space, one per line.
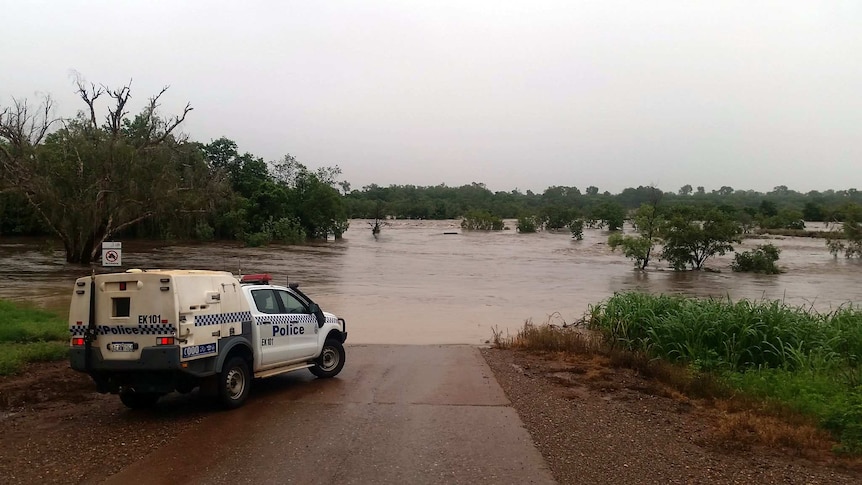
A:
779,208
104,174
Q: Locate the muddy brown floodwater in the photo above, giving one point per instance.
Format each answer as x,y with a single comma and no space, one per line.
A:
414,284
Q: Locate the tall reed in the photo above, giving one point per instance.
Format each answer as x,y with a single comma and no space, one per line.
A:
718,334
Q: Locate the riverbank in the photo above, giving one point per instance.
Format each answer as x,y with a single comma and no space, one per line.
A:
596,423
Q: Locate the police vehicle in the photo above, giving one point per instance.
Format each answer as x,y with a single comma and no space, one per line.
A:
144,333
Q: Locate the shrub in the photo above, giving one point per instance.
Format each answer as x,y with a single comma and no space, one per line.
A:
577,228
256,239
286,230
528,224
759,260
204,232
480,220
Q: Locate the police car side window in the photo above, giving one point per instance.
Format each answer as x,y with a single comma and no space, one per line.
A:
291,303
265,301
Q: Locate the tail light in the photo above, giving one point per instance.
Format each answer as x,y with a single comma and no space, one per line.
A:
165,341
78,342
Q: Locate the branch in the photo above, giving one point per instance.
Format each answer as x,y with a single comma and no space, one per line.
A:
44,216
170,127
131,222
89,98
115,117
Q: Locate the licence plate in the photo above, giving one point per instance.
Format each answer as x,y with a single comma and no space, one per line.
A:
121,346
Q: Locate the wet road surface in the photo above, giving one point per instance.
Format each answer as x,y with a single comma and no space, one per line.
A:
396,414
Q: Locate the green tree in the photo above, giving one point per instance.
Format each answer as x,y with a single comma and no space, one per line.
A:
557,217
610,214
647,221
768,208
812,212
636,248
317,203
691,237
89,180
851,242
577,229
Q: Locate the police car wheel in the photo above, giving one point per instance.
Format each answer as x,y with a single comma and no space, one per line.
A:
234,383
331,359
139,400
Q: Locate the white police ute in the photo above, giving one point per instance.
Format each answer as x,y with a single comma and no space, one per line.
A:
144,333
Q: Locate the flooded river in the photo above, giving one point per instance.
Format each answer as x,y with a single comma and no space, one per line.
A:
414,284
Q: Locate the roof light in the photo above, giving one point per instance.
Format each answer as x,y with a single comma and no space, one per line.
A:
256,279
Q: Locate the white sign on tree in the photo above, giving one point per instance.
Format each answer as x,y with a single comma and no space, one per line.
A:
112,253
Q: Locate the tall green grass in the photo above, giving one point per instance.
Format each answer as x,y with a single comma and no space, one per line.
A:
809,361
30,334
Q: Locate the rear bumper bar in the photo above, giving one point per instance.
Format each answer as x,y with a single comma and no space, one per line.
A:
166,357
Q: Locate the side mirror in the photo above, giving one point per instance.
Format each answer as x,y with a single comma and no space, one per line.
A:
314,308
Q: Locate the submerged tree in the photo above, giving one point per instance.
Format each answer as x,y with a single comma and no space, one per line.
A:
90,180
479,220
577,229
690,237
759,260
647,221
850,240
610,214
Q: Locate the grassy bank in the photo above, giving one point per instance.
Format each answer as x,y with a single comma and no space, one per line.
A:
767,357
30,334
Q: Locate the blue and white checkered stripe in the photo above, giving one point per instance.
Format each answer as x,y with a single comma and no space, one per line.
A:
285,319
157,329
221,318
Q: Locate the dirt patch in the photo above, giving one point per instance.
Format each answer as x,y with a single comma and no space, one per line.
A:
595,423
54,427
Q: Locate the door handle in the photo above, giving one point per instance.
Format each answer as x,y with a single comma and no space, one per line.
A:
294,321
266,323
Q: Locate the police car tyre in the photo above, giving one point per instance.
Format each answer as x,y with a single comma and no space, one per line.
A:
139,400
331,359
234,383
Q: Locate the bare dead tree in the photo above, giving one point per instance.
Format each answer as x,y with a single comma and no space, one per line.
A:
88,182
170,126
118,113
89,95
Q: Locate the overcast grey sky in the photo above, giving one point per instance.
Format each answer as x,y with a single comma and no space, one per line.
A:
513,94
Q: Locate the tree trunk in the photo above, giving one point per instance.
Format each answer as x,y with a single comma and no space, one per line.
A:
78,252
